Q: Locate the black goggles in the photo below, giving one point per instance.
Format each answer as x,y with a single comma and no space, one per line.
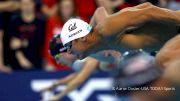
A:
68,45
56,46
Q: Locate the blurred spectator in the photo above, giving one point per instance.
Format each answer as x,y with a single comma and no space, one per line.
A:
107,4
49,7
128,3
112,5
85,8
39,8
116,3
27,34
170,4
163,3
154,2
3,68
8,5
120,4
55,23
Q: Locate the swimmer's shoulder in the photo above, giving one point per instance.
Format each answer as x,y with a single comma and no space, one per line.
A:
96,30
99,29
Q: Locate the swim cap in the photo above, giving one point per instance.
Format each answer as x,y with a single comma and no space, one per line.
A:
56,47
74,29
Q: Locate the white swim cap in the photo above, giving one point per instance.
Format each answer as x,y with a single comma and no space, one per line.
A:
74,29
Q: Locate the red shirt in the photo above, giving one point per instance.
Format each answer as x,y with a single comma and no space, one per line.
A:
49,3
125,5
85,8
54,26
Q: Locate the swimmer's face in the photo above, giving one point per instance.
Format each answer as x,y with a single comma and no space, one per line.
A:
66,58
80,48
84,46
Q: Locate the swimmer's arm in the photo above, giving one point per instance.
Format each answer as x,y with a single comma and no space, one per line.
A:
169,54
66,80
62,81
118,22
101,13
89,67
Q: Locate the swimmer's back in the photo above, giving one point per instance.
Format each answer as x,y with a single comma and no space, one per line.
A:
151,36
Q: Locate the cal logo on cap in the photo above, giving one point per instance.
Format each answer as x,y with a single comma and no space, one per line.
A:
74,29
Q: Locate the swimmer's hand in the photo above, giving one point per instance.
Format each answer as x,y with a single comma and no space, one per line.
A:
55,98
50,88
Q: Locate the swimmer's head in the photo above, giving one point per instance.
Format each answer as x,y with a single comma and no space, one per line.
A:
60,53
77,36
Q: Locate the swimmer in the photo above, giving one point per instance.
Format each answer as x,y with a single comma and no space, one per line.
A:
143,64
81,40
83,68
130,28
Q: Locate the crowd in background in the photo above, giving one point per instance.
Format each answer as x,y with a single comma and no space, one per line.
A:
27,26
